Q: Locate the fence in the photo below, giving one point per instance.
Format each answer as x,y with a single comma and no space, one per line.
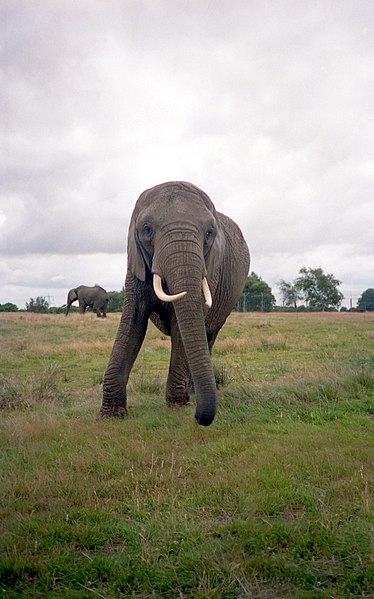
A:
255,302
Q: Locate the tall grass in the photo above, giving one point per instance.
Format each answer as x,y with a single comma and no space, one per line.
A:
275,499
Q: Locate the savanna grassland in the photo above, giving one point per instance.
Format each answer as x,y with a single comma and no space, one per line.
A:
274,500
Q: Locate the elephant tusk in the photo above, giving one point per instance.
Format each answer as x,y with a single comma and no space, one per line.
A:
157,286
207,294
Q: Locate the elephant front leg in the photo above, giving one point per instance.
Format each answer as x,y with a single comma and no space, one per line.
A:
114,393
179,380
130,336
125,350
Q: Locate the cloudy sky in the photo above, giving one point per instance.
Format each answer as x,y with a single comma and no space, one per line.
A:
268,106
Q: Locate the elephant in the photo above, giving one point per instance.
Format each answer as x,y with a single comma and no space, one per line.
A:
186,269
94,297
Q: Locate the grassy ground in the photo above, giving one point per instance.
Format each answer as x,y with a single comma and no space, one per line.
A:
274,500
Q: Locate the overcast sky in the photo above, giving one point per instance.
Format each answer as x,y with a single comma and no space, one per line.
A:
268,106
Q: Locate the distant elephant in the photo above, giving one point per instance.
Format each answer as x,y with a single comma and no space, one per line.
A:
187,266
94,297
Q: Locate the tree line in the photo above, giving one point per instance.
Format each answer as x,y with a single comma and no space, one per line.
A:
312,290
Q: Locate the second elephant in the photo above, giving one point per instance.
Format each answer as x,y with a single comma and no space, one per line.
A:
89,297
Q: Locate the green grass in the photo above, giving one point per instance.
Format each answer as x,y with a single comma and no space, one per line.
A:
274,500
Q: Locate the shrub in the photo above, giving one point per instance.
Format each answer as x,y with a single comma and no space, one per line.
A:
35,389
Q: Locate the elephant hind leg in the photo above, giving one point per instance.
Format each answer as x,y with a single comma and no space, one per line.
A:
179,383
98,311
211,340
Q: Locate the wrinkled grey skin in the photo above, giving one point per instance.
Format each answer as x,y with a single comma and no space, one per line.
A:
176,232
94,297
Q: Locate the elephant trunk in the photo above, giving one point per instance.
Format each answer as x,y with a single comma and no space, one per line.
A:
183,269
191,324
67,308
72,296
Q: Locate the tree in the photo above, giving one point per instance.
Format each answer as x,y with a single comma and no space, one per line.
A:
320,290
256,296
39,304
116,299
290,293
366,301
8,307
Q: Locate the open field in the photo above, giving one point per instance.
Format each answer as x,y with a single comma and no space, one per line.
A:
274,500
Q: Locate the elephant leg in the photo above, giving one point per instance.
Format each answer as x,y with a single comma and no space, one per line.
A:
211,340
179,381
97,309
82,307
118,371
130,336
102,310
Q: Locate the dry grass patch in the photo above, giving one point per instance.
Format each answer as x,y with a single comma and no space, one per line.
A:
232,346
275,342
159,343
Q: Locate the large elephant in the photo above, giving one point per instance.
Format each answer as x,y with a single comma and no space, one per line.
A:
94,297
187,265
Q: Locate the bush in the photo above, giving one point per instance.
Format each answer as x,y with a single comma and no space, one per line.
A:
8,307
35,389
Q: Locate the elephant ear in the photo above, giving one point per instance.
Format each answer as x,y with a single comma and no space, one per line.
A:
73,295
137,257
213,259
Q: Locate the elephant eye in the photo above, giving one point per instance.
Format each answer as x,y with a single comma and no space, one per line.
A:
209,235
147,231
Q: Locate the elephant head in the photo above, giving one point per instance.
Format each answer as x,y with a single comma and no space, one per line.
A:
176,248
72,297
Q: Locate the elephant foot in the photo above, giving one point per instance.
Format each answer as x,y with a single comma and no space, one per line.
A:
178,393
177,404
178,401
120,412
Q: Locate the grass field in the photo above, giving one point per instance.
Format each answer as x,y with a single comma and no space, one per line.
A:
274,500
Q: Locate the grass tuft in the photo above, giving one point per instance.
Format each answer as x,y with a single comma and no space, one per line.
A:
222,374
146,383
34,389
